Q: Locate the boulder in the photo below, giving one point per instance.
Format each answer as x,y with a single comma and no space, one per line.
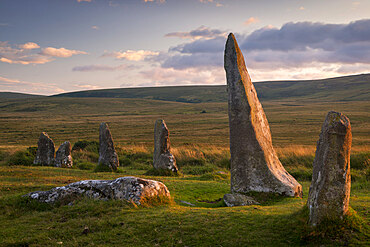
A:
132,189
236,199
107,153
63,157
45,151
162,157
254,163
331,180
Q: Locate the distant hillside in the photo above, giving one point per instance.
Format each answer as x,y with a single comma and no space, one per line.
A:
10,95
347,88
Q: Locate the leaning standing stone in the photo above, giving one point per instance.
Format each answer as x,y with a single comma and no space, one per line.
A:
331,180
107,153
45,151
63,157
163,158
254,162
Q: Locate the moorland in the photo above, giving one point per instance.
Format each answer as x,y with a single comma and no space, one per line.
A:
198,122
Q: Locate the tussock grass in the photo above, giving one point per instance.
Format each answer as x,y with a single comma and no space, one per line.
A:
166,223
334,231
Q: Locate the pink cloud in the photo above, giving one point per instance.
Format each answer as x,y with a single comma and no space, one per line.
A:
60,52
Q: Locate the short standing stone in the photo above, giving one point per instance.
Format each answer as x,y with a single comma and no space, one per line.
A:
132,189
254,162
63,157
331,180
107,152
163,158
45,151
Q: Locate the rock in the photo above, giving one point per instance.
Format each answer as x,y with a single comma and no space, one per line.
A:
236,199
254,163
331,180
63,157
162,157
132,189
107,153
45,151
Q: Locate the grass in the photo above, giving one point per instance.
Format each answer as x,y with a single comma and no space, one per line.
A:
209,223
199,139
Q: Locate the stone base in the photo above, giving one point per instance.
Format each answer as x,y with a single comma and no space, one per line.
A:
235,199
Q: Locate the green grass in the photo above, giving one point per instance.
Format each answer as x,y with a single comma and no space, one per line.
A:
279,222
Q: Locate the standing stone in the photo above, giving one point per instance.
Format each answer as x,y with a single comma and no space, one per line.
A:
107,153
254,163
45,151
162,158
63,157
331,180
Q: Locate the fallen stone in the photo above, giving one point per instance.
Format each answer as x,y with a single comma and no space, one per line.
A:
236,199
254,163
162,157
63,157
45,151
331,180
188,203
107,152
132,189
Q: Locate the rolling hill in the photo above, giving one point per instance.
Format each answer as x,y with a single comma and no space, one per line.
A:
11,95
347,88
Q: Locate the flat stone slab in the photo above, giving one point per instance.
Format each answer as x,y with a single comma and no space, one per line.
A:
236,199
132,189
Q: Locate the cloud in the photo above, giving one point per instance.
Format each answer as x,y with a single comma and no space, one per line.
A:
17,85
60,52
84,1
89,68
201,32
309,35
294,45
29,46
191,76
21,54
86,86
25,54
250,21
131,55
157,1
201,46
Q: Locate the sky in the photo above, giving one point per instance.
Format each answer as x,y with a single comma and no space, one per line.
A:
54,46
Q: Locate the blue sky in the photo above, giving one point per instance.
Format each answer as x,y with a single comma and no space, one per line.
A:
53,46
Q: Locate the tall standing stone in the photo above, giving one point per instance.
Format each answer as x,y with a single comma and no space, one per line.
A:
163,158
107,153
45,151
254,163
63,157
331,180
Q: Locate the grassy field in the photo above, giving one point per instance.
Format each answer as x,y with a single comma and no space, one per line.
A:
132,121
199,138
